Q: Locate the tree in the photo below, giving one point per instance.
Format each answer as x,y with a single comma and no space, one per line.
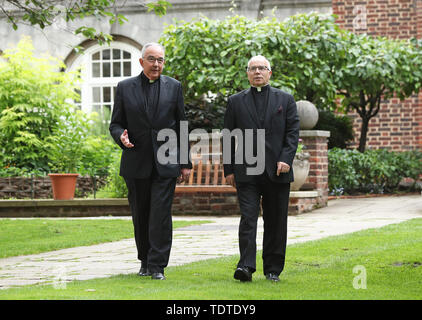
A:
311,57
375,69
210,57
44,13
310,54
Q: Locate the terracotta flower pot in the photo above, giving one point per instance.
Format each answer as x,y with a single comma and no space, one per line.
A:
64,185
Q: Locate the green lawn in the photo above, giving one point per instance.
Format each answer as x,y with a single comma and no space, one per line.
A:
322,269
30,236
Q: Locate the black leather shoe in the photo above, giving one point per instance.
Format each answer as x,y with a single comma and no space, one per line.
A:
272,277
243,274
158,276
144,272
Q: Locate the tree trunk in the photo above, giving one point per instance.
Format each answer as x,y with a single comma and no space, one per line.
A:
260,10
363,134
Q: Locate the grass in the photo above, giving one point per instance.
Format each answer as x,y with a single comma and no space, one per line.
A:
322,269
31,236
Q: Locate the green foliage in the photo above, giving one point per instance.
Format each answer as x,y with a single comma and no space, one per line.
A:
205,115
66,144
96,153
40,131
116,185
300,146
159,8
311,57
76,150
12,171
340,127
46,13
312,50
210,57
373,171
33,98
376,69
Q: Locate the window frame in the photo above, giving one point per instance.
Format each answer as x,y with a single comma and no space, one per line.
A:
84,61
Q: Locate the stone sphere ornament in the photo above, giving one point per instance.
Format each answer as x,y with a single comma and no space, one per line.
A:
308,114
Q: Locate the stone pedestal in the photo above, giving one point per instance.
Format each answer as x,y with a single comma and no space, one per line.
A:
316,143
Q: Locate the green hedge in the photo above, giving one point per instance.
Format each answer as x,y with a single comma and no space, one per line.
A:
349,172
374,171
116,185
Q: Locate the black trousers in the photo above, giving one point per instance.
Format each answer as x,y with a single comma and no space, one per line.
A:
150,202
275,205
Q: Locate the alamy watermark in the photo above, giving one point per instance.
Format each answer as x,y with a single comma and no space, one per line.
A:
60,278
359,281
247,146
359,22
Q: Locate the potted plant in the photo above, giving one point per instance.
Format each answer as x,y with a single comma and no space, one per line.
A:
300,167
66,154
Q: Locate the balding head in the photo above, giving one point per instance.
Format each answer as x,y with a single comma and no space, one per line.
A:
259,71
260,59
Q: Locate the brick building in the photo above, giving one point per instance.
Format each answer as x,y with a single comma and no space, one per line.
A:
398,126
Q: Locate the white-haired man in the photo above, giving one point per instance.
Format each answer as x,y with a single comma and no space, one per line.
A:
263,107
143,106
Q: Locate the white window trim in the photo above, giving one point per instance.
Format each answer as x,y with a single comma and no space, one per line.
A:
87,81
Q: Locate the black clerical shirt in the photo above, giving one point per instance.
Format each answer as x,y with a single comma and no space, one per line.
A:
151,94
261,100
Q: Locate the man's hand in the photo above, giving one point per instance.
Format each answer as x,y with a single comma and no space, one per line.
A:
124,138
230,180
184,176
282,168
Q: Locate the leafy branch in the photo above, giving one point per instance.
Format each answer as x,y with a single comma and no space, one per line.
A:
45,13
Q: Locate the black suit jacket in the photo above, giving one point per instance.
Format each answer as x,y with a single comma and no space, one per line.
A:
129,113
281,131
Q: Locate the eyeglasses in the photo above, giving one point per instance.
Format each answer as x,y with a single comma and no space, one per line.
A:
152,60
254,68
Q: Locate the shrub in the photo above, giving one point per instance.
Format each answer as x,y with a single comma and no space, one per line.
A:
33,97
116,185
374,171
65,154
203,115
40,130
96,156
340,127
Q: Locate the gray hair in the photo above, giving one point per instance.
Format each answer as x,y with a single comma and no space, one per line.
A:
150,44
260,57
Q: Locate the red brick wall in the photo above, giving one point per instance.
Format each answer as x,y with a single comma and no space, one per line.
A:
316,146
398,126
205,203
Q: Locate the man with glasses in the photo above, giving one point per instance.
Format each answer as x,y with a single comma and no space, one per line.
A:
263,107
143,106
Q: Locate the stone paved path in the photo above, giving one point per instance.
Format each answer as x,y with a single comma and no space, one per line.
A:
211,240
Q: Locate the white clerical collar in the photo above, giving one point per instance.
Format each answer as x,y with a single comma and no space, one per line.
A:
149,80
259,89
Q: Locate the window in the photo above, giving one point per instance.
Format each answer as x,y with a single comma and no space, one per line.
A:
108,63
102,68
